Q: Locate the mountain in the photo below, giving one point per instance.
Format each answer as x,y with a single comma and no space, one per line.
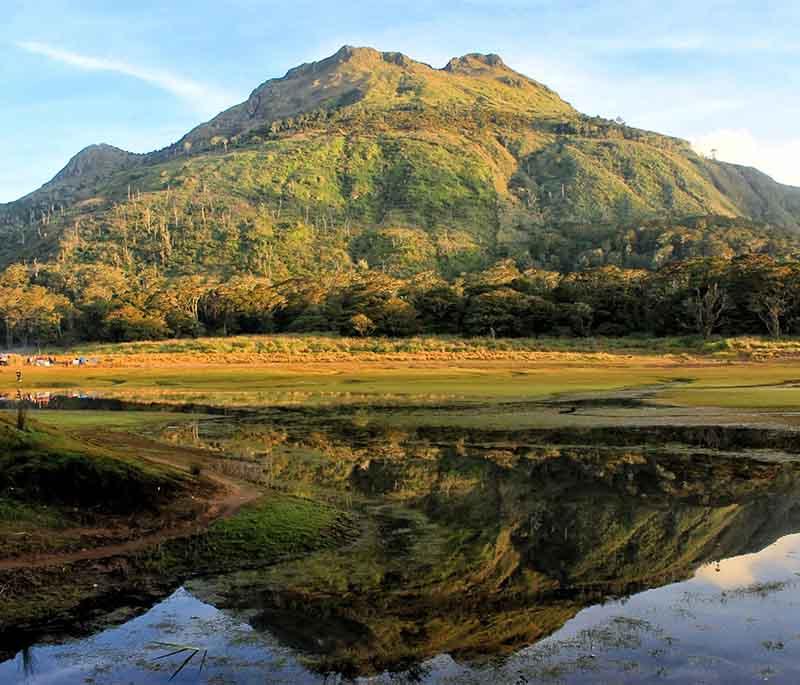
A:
371,157
381,81
89,167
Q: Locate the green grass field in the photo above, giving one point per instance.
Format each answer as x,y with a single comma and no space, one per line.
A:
745,372
746,384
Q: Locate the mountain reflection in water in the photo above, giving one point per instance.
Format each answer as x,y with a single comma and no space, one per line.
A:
478,548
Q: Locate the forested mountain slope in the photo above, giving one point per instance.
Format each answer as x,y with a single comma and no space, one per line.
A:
372,158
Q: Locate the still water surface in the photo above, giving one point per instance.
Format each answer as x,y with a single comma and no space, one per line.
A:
485,558
735,621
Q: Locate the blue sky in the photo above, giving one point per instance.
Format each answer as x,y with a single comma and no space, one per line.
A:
140,74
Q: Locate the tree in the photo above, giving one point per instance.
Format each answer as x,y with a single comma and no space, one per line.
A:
216,141
362,325
503,311
707,308
29,311
178,301
129,323
614,297
440,308
12,289
765,288
771,308
41,313
581,318
244,303
96,290
364,293
396,318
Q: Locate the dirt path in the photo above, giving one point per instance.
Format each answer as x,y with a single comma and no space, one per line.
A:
225,499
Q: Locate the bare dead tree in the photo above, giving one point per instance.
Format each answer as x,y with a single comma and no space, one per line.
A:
771,309
707,308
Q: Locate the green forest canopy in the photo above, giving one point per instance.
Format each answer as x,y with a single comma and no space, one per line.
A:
749,294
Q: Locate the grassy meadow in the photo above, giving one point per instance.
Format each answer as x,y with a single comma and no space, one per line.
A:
332,347
308,369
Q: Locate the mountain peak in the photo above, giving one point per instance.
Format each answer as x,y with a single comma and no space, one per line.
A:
92,158
469,63
475,61
380,80
93,162
350,54
99,151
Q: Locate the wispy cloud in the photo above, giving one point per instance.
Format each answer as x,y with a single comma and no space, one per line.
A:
205,98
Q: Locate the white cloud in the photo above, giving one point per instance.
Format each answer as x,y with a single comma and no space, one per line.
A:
775,563
776,157
206,99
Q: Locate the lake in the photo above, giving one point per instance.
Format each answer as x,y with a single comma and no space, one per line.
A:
611,552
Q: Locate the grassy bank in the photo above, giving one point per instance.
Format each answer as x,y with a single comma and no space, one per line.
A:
79,420
276,527
321,347
63,497
41,464
316,369
59,493
50,599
